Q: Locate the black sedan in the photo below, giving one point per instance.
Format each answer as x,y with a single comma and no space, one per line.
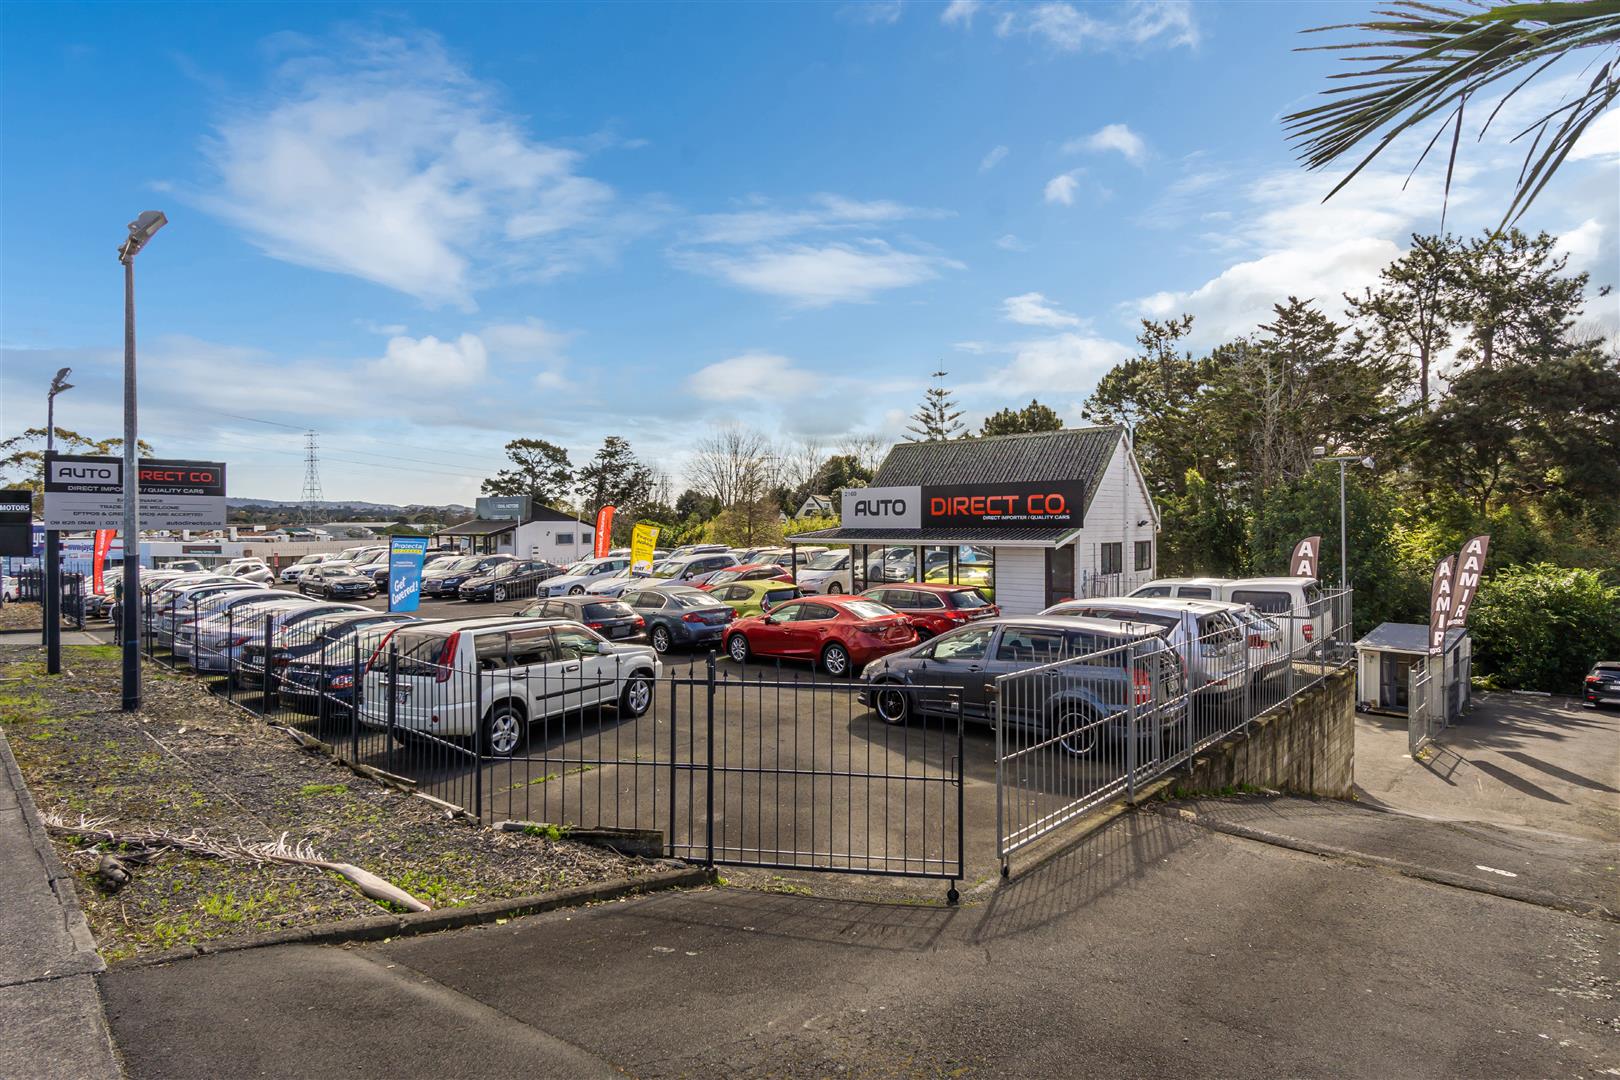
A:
1603,683
322,665
611,618
679,615
446,578
509,580
337,581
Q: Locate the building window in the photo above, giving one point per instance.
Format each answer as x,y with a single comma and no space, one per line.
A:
565,538
1144,554
1113,558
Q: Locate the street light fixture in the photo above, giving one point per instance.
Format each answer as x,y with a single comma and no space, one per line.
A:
1366,462
53,540
141,231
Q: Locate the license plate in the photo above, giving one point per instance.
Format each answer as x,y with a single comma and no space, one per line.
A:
621,631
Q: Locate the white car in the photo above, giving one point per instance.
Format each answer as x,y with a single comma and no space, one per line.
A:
524,671
826,573
296,570
1296,604
575,578
11,588
248,570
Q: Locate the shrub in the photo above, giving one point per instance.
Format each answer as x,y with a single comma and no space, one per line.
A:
1541,627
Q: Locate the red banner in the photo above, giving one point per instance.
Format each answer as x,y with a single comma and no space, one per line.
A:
1470,565
1302,563
103,545
604,531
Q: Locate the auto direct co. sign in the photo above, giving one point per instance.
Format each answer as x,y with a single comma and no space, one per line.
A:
88,493
1058,503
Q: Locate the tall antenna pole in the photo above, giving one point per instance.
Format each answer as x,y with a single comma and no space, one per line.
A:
312,473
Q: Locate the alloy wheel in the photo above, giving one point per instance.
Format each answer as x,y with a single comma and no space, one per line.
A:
835,659
503,731
660,640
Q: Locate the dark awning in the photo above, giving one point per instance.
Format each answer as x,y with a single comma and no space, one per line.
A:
480,527
988,537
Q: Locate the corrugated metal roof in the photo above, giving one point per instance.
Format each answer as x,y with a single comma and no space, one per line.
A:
1405,637
932,537
1070,454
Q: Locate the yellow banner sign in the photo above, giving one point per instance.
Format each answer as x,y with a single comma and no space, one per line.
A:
643,539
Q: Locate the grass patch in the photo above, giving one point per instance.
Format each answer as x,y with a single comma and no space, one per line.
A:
315,791
550,832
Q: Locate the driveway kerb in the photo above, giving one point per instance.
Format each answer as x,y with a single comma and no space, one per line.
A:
1507,891
379,927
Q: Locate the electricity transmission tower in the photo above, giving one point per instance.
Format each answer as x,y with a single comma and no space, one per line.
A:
312,473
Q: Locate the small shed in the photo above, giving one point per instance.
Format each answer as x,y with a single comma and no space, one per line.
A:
1387,659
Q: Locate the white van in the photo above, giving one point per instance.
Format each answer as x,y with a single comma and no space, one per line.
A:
522,670
1296,604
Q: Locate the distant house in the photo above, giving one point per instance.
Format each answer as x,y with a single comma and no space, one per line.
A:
514,526
358,530
817,506
304,533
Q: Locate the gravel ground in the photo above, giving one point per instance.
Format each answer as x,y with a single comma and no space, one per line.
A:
189,761
20,616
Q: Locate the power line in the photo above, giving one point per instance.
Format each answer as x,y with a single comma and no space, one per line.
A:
482,462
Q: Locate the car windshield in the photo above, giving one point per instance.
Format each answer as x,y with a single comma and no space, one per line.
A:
419,651
608,610
460,566
667,568
583,567
968,598
692,599
868,609
504,570
830,560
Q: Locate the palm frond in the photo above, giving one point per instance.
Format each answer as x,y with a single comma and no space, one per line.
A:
1416,60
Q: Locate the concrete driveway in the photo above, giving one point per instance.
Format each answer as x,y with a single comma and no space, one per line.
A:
1152,948
1528,762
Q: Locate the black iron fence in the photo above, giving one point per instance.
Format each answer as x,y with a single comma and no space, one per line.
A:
31,589
524,722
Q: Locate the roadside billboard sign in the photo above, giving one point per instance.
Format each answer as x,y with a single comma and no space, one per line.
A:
1012,505
405,556
16,522
84,493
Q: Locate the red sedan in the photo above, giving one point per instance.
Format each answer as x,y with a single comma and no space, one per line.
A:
934,609
842,633
750,572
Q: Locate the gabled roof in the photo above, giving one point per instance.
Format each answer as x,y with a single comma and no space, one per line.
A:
1069,454
1405,638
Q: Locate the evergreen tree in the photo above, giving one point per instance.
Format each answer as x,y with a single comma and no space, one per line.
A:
615,476
938,417
1031,418
541,471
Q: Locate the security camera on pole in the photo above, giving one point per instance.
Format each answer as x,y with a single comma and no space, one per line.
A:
141,230
1320,453
51,601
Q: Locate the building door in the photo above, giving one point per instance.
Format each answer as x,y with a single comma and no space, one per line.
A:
1394,674
1059,575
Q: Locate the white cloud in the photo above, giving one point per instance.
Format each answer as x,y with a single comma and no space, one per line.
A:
873,12
756,376
777,251
1600,140
960,11
1064,363
531,339
1067,28
992,159
818,275
1061,188
380,157
1116,137
429,361
1033,309
1010,242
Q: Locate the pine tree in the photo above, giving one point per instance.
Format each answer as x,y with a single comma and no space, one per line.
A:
938,418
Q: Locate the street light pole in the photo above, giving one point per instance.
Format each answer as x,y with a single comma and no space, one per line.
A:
51,580
141,230
1344,562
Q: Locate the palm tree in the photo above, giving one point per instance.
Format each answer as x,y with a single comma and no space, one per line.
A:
1420,60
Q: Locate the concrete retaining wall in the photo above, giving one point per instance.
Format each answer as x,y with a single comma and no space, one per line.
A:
1307,747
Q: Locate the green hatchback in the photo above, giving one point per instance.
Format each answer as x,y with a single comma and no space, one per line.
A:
755,597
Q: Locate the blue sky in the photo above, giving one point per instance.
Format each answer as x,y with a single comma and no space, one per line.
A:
422,230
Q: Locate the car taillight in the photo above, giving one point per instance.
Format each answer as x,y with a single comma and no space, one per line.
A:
692,616
1256,641
639,621
1593,679
594,625
1141,687
343,681
447,656
1310,632
240,639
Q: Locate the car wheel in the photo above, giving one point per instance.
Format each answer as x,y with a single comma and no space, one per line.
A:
835,660
737,648
1076,722
637,696
661,641
893,704
577,590
505,730
834,589
500,594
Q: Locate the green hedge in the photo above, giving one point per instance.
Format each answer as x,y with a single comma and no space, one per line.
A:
1541,627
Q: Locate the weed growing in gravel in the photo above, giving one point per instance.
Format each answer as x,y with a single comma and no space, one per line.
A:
311,791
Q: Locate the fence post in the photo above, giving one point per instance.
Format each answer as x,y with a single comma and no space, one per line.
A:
674,745
709,816
354,700
393,698
952,896
1001,774
196,638
1131,748
267,693
320,687
478,742
230,655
